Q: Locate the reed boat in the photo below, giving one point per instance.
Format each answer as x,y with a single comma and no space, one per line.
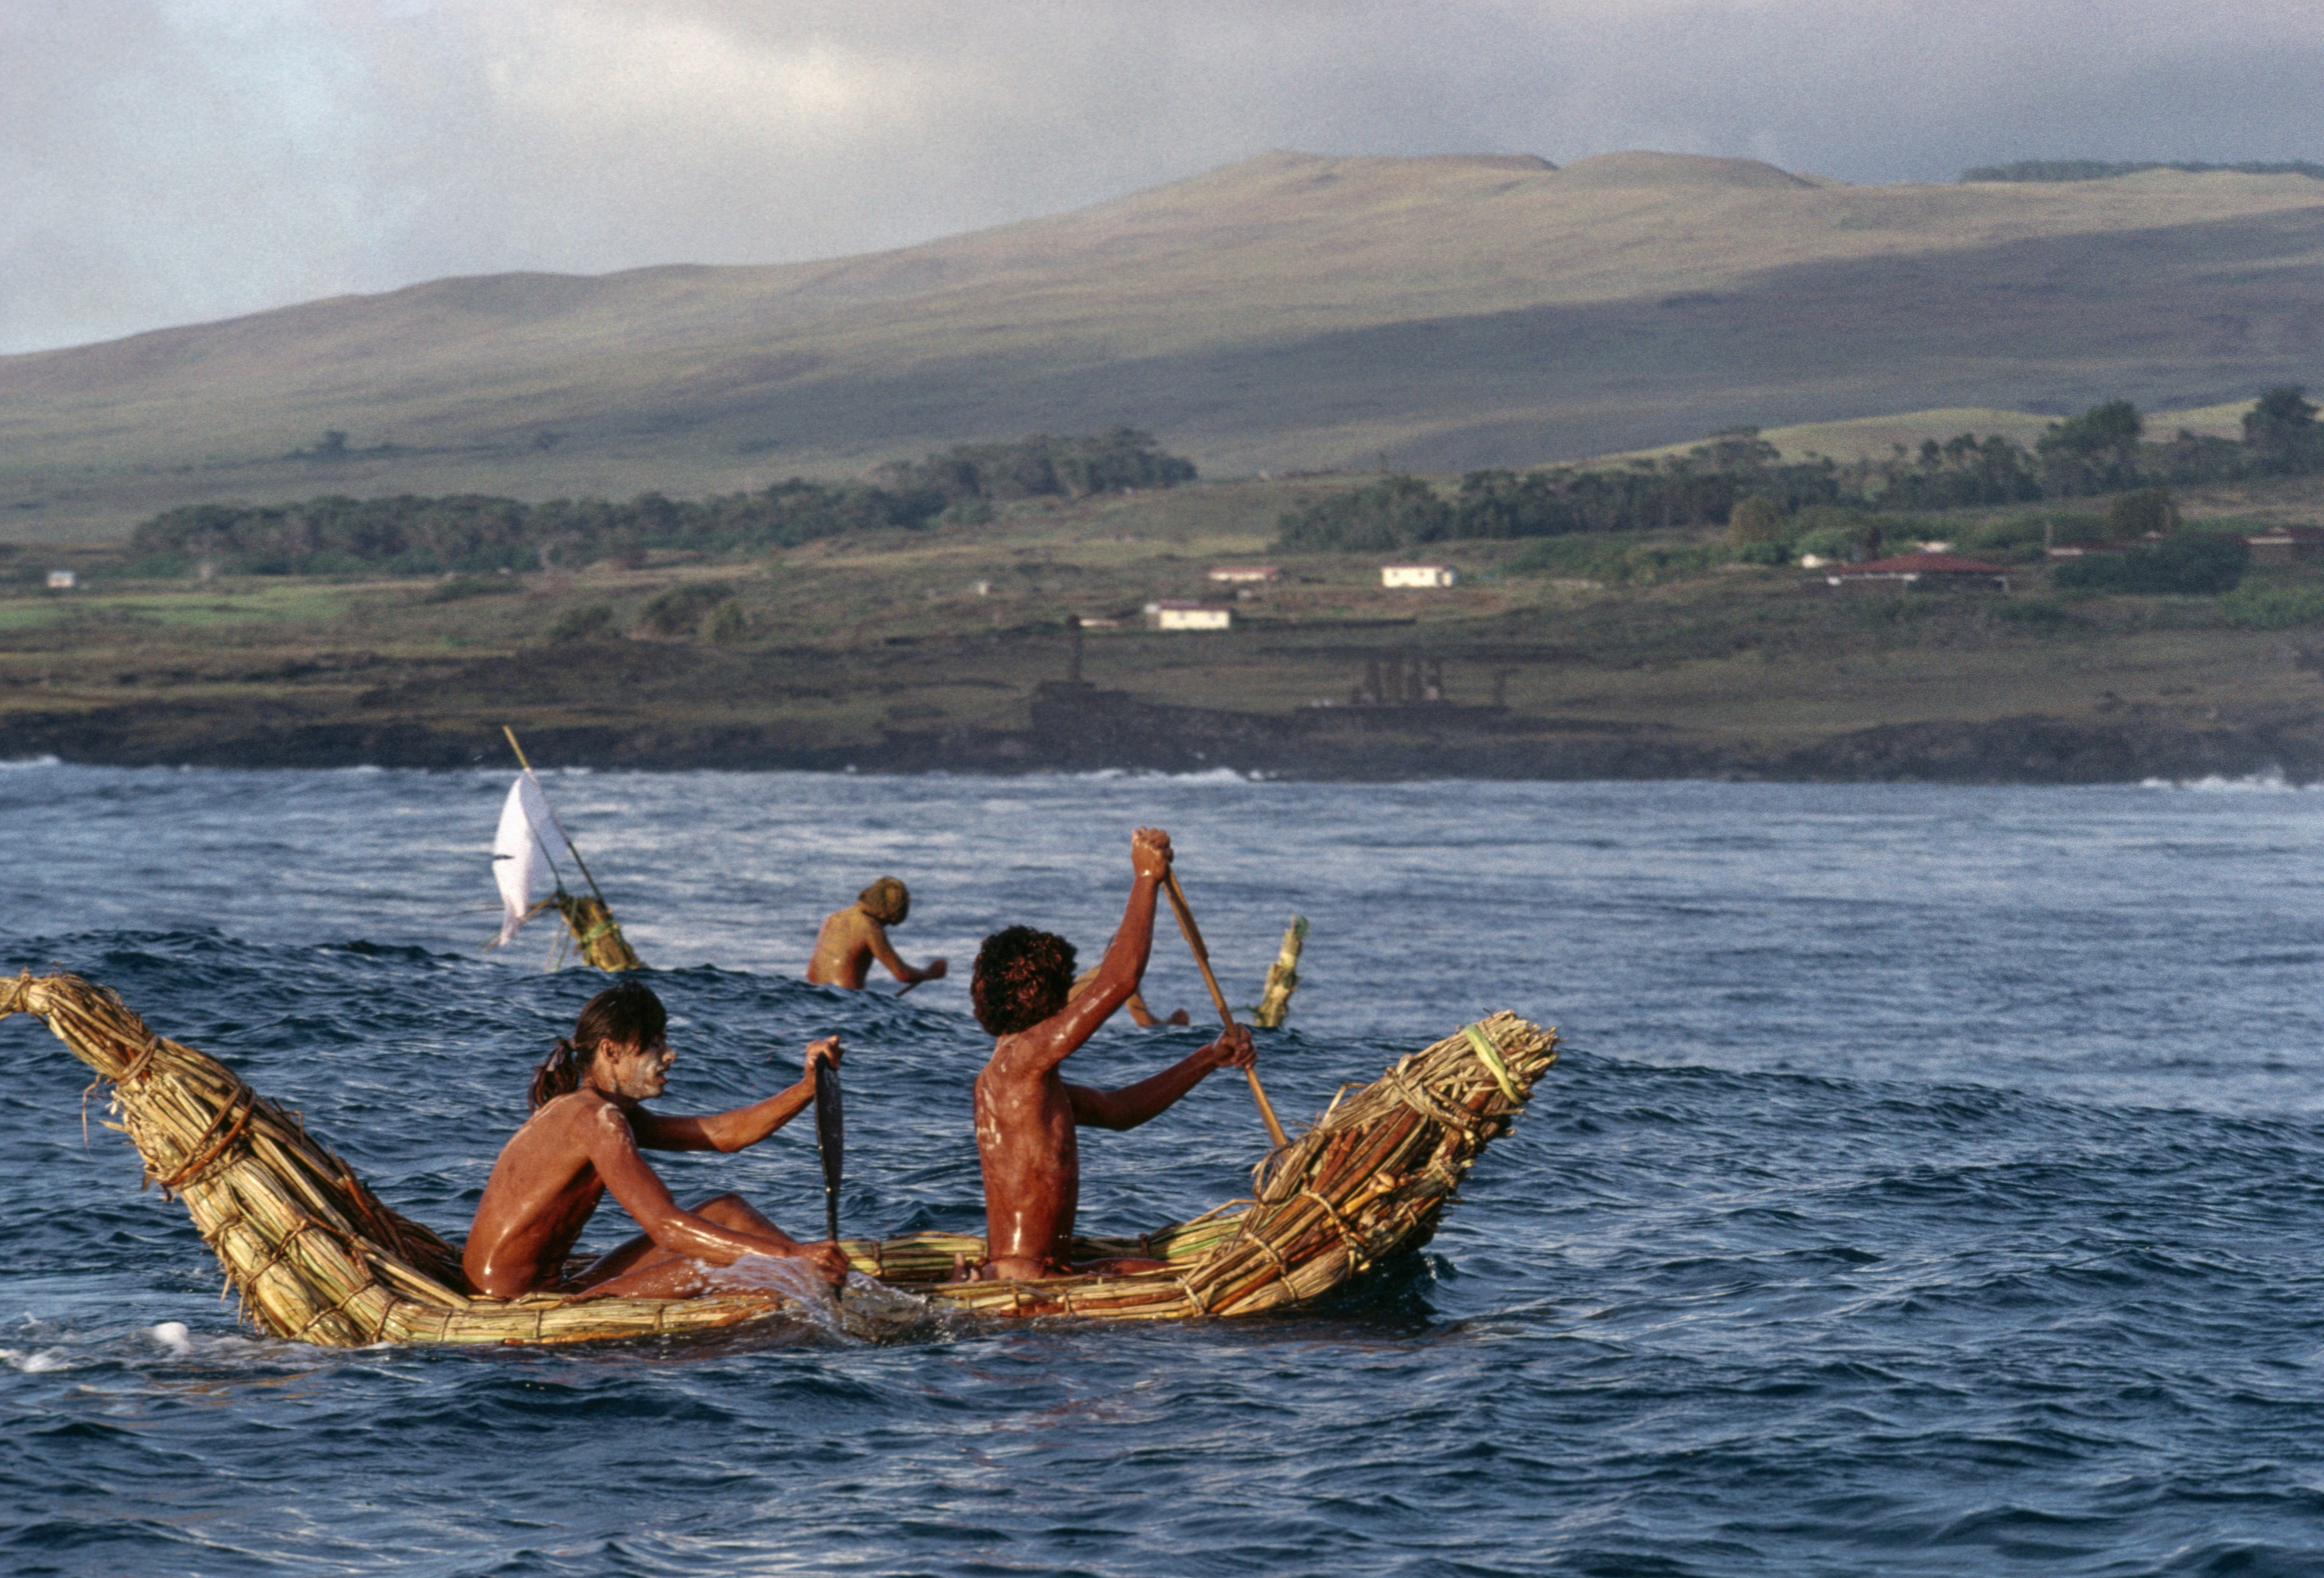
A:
316,1257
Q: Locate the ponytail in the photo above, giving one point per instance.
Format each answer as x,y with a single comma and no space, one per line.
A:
627,1015
559,1073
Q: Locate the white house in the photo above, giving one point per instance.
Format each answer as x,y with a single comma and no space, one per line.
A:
1179,615
1418,575
1245,573
63,580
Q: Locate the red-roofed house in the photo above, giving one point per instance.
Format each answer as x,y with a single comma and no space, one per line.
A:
1932,569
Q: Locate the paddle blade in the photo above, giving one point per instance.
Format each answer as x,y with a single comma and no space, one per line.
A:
831,1139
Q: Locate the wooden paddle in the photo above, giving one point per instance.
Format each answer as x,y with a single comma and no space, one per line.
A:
831,1139
1177,898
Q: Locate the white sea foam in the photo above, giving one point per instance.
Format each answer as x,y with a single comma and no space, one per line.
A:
22,762
2270,782
864,1309
172,1335
39,1363
1154,775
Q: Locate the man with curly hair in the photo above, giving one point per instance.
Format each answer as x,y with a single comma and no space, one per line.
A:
1026,1113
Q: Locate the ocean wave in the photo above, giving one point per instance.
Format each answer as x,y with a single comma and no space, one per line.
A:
25,762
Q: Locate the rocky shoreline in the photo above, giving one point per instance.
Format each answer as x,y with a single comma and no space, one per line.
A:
1078,727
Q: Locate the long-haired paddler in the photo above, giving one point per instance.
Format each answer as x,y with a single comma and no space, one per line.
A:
587,1134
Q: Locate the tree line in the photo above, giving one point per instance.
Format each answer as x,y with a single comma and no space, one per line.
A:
2046,169
2102,451
477,534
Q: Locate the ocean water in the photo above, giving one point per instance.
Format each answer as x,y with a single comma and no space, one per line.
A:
1933,1183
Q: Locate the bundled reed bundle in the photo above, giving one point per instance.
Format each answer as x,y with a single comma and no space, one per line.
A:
1282,979
317,1257
596,935
1367,1182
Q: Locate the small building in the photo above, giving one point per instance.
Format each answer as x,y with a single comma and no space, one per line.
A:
2281,545
1245,573
1418,575
63,580
1182,615
1920,570
2084,550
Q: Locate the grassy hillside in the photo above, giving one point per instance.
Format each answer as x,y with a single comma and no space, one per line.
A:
1287,313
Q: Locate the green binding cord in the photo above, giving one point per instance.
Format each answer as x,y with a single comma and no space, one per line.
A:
1490,1057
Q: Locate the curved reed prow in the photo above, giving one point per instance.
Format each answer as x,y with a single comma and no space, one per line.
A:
313,1253
1372,1177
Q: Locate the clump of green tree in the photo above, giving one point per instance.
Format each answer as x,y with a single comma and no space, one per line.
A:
2051,169
474,534
683,609
2192,564
2102,451
1041,467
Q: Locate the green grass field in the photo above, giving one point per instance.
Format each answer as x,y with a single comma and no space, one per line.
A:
845,640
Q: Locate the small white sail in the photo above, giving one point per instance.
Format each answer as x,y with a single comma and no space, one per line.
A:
518,859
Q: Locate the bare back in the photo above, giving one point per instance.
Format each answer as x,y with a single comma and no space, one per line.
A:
846,946
542,1191
1031,1160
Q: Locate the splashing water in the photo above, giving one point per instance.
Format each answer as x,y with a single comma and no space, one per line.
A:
863,1310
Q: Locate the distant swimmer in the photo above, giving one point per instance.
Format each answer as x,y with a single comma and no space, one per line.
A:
1135,1007
850,939
584,1138
1026,1113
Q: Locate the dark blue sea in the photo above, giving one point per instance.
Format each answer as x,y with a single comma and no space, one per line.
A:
1933,1183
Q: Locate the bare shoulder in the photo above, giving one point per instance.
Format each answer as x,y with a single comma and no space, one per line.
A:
1020,1058
580,1117
1003,1065
593,1110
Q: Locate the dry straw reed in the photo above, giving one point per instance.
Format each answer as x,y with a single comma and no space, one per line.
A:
596,935
316,1257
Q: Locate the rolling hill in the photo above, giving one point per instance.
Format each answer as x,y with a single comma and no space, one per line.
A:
1288,312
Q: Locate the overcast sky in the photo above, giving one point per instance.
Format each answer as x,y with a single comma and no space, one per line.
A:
175,160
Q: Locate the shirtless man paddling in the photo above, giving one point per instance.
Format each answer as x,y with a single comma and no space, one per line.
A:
1026,1113
585,1136
850,939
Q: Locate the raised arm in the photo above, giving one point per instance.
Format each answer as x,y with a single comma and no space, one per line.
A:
1132,1105
1058,1037
744,1126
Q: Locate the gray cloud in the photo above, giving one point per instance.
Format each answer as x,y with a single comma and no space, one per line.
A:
173,161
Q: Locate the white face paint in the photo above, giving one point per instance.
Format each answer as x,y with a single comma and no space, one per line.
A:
640,1073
